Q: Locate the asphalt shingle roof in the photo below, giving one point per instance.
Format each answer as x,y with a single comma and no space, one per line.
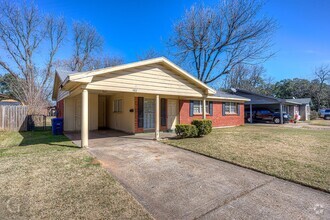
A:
227,95
64,73
257,98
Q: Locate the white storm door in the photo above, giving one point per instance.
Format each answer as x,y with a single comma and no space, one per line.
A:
149,113
172,113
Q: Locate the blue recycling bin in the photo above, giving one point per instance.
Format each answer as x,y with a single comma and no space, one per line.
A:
57,126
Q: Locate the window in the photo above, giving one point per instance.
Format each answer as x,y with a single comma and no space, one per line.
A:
118,105
264,112
198,107
231,108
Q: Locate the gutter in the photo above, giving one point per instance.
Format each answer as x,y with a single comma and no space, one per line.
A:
64,82
228,98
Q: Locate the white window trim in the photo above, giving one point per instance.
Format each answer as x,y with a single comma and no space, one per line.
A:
200,107
117,105
232,105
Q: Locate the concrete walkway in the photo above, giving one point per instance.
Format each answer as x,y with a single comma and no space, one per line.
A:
172,183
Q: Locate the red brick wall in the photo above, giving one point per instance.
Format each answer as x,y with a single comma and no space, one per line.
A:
218,119
60,108
141,130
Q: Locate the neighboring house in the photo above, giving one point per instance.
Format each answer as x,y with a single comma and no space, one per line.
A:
303,106
151,95
10,102
51,111
7,100
290,106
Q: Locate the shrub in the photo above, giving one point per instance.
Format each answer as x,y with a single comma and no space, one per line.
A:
204,126
314,115
186,130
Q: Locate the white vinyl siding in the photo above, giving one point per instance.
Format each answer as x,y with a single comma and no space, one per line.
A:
198,107
230,108
152,79
72,113
123,121
62,94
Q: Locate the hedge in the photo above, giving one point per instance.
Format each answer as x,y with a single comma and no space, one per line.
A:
204,126
186,130
197,128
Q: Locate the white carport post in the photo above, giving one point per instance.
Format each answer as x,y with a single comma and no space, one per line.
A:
84,119
250,113
204,108
281,113
157,121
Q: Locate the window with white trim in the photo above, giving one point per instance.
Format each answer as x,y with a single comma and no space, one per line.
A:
118,105
198,107
231,108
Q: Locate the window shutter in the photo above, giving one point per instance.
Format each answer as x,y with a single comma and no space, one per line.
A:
211,108
191,108
238,109
163,112
223,108
140,112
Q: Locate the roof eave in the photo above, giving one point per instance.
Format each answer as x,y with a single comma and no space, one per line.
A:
209,89
54,94
290,102
228,98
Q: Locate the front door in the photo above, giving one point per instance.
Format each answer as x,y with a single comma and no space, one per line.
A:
172,113
102,113
149,114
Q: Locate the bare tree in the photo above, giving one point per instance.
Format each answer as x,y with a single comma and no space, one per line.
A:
213,40
244,77
23,29
103,62
248,77
149,54
87,46
322,75
94,62
87,42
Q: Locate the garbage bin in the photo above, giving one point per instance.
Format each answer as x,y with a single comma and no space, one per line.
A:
57,126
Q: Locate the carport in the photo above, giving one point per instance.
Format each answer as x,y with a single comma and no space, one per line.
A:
262,101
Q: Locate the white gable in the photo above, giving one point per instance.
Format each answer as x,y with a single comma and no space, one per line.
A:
153,79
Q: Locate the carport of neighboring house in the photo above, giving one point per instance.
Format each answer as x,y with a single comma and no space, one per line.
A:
275,104
150,95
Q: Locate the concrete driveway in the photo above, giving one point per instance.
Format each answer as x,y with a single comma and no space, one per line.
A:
172,183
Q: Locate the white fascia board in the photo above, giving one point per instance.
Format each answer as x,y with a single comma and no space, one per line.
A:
227,98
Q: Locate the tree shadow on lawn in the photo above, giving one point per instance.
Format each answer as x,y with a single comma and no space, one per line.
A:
45,138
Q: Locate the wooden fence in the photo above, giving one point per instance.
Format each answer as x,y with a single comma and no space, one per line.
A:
13,118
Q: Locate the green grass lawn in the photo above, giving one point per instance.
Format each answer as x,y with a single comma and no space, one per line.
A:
47,177
299,155
320,122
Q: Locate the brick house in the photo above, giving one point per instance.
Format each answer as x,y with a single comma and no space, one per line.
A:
147,96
